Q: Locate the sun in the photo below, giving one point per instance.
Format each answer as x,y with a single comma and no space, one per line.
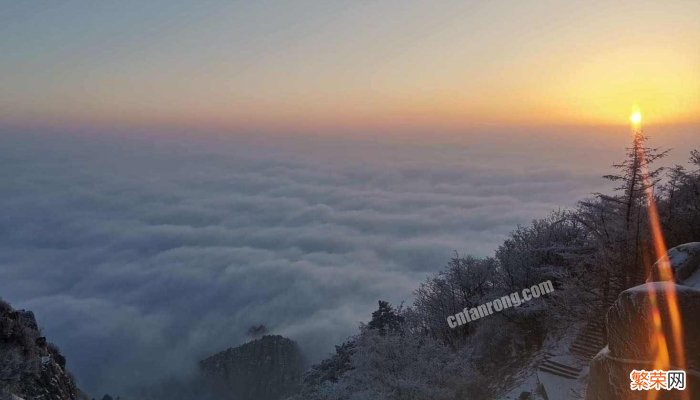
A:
636,118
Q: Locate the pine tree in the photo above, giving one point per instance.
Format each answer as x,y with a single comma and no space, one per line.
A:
385,319
636,177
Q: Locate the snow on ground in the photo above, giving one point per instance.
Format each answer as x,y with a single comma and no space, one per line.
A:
528,385
557,387
557,348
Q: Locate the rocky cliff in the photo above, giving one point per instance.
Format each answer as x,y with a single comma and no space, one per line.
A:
30,367
269,368
630,326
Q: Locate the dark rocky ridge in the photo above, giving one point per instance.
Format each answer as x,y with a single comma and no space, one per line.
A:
269,368
30,367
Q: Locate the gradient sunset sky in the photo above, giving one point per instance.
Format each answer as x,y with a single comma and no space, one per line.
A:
165,183
323,65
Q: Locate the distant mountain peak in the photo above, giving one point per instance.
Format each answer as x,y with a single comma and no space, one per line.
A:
269,368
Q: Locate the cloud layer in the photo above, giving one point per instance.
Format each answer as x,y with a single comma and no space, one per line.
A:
140,256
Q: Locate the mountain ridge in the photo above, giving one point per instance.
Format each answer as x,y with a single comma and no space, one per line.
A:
30,366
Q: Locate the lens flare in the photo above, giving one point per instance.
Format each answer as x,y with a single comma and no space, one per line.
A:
667,346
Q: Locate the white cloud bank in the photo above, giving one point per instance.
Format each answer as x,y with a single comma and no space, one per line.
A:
140,257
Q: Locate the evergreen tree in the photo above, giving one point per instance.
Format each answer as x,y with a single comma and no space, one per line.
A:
625,213
385,319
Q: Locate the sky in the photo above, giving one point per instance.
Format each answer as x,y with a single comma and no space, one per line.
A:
319,65
172,173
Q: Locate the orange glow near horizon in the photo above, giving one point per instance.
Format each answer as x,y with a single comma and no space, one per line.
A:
323,66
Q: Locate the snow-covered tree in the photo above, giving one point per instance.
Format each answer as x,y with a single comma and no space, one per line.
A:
635,176
412,354
463,283
680,206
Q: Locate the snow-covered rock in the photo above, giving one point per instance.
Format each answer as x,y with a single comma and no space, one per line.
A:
30,367
630,324
685,263
630,329
630,344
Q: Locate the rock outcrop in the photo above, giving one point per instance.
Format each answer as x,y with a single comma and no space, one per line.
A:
630,327
30,367
269,368
685,263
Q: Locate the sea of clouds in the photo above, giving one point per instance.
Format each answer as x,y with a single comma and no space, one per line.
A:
143,254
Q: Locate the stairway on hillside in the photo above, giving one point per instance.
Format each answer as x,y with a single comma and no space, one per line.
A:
589,341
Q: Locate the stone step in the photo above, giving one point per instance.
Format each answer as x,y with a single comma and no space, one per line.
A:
588,351
589,330
592,335
586,355
585,345
573,370
589,343
558,372
588,347
593,330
